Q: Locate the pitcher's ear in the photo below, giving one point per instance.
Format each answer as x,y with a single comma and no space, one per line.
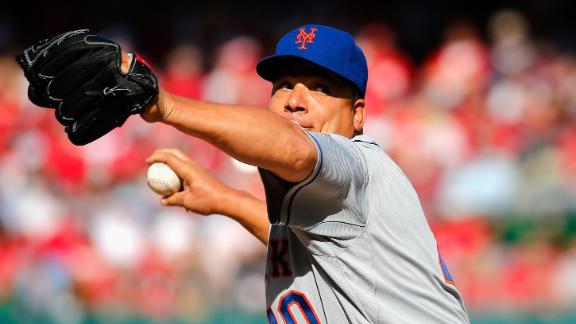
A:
359,115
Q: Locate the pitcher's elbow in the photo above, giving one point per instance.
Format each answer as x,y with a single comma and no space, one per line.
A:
303,161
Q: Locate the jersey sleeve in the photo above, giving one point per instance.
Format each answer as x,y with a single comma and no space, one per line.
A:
328,204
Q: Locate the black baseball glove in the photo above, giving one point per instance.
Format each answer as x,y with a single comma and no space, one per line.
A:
78,74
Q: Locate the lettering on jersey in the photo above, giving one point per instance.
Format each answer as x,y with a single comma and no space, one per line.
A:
303,37
279,258
296,298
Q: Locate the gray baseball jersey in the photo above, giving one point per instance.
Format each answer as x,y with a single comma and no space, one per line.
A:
351,244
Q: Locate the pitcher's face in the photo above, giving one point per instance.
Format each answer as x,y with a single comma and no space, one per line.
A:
318,103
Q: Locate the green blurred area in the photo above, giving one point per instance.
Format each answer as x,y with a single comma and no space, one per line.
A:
511,231
13,312
559,230
514,318
10,313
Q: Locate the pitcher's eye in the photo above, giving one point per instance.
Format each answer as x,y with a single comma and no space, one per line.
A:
283,85
322,88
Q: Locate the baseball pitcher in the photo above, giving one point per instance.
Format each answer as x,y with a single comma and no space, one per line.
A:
347,239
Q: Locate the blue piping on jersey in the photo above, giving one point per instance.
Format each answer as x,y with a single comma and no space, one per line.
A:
361,141
320,157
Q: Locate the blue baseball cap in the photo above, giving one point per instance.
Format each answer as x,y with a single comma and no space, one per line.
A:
323,46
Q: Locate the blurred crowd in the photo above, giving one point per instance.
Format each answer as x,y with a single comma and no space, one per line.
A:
484,128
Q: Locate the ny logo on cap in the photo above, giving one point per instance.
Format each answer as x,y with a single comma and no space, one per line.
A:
303,37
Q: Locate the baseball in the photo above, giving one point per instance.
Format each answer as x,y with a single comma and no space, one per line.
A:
162,179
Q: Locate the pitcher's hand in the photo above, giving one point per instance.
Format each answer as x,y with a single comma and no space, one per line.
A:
202,194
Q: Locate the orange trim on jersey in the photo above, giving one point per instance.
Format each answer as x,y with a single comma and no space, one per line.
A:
444,268
269,311
299,306
446,280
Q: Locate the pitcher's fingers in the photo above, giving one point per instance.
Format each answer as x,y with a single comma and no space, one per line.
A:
126,61
172,151
161,155
176,199
179,166
177,152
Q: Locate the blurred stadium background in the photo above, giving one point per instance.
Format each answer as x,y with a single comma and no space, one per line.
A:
476,103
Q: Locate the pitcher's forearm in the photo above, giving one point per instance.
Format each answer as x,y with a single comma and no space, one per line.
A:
249,211
251,135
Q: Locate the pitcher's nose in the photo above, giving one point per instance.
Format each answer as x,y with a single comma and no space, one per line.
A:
297,101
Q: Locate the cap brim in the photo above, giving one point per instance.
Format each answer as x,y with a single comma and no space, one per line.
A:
275,66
